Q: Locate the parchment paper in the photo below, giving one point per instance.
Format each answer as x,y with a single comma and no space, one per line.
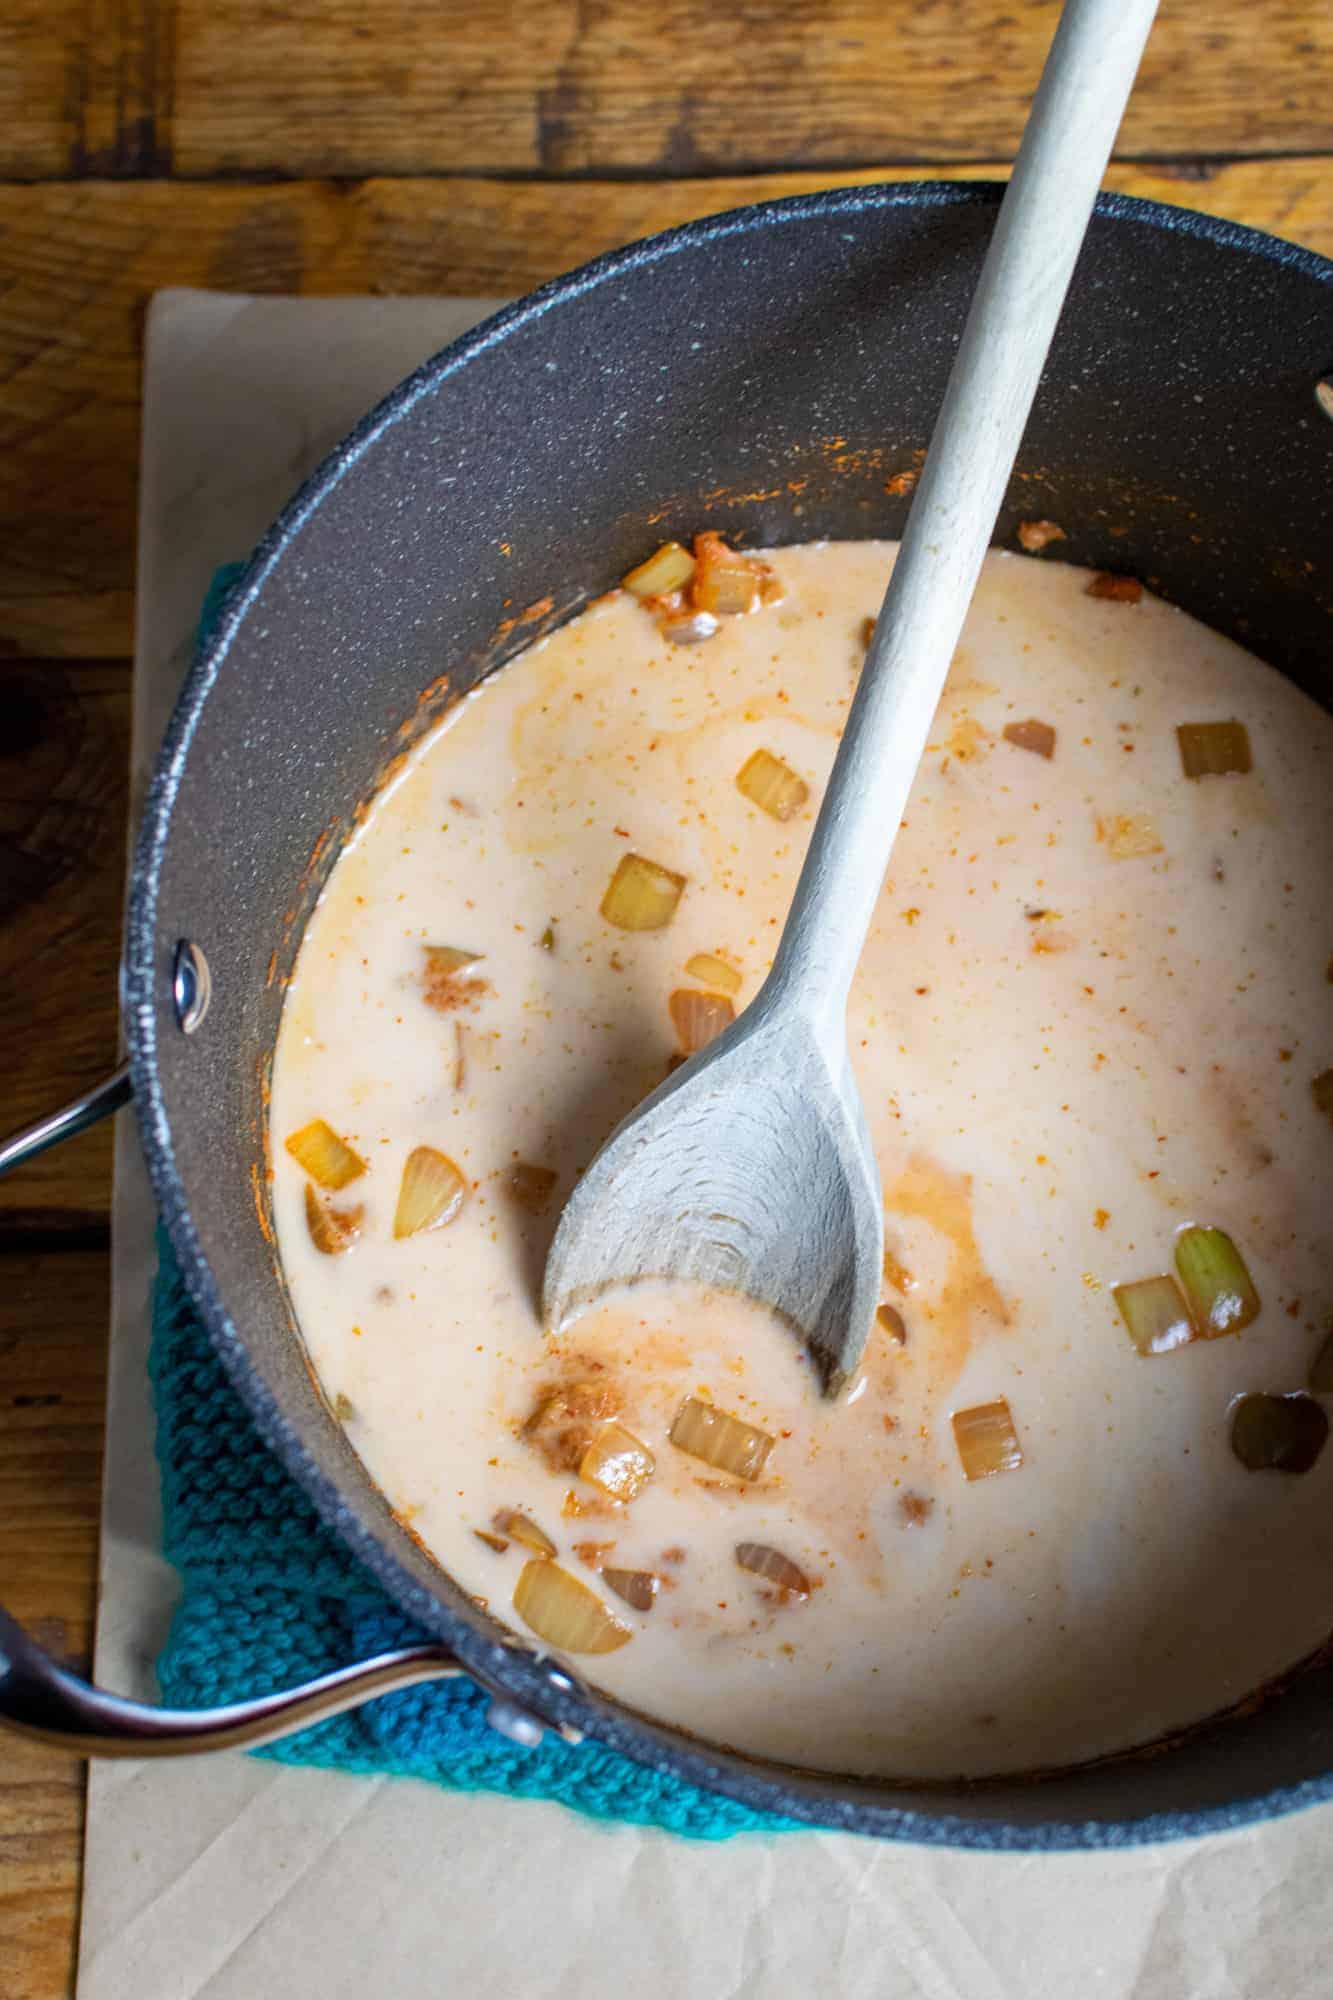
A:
243,1880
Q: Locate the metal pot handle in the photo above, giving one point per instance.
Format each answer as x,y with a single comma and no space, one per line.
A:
44,1700
97,1103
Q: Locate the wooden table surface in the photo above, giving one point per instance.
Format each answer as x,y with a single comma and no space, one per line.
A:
384,146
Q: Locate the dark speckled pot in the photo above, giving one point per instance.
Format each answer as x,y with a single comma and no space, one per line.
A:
767,371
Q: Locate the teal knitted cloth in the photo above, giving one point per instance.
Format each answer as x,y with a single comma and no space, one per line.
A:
271,1596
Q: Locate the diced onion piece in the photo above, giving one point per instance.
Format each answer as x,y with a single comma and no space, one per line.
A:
444,960
523,1529
1322,1090
566,1420
332,1230
712,971
1036,736
642,895
325,1157
1034,535
893,1324
699,1018
724,582
1220,1291
771,785
720,1440
1117,589
1213,749
687,628
726,592
669,567
344,1409
431,1192
986,1439
1321,1369
564,1612
774,1567
618,1462
1277,1433
1155,1313
1128,835
531,1187
496,1542
638,1587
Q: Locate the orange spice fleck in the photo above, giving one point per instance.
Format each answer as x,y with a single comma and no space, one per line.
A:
1115,589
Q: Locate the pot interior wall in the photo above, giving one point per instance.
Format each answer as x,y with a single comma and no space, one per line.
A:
772,374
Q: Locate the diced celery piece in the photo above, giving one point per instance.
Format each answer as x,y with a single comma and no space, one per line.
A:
1221,1295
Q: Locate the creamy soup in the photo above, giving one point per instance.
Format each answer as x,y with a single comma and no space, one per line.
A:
1054,1515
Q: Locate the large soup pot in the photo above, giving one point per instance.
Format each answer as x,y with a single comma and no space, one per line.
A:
771,373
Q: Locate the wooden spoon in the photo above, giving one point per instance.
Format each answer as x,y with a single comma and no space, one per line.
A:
751,1169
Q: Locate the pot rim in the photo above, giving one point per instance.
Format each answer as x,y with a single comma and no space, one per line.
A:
818,1799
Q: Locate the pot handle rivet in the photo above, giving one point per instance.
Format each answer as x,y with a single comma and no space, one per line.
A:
191,986
1323,394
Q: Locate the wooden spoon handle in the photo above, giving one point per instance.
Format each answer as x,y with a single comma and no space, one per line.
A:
1042,221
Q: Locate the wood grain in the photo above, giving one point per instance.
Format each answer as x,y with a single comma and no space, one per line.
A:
53,1334
85,87
41,85
330,87
580,86
64,752
84,259
125,88
41,1842
53,1322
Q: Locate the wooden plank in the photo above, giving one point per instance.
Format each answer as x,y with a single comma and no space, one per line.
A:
41,1847
64,758
85,87
54,1308
53,1330
125,88
41,85
83,261
313,87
